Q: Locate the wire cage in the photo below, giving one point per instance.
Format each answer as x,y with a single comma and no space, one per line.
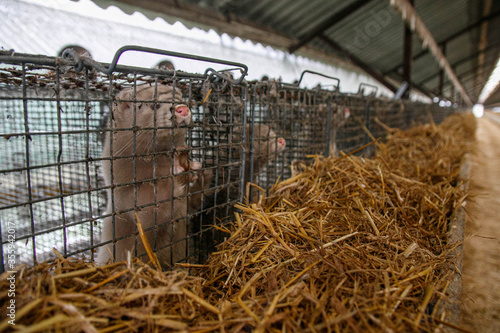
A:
90,150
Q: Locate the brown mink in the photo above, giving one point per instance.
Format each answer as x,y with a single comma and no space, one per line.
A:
147,124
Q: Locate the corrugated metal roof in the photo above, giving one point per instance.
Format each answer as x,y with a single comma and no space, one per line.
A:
494,99
373,33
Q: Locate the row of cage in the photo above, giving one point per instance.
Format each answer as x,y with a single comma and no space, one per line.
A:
89,148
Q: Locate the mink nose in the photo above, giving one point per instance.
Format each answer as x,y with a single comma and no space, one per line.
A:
182,110
281,142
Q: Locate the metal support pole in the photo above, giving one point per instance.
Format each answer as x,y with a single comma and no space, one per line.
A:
441,73
407,57
368,118
328,141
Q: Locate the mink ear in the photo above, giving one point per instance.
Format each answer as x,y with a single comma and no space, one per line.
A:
123,98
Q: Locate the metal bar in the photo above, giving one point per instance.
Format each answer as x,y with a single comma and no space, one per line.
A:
337,87
243,152
27,150
126,48
212,72
87,166
110,193
358,62
449,38
251,152
297,84
19,59
367,120
155,152
361,90
329,111
330,22
410,16
134,165
59,159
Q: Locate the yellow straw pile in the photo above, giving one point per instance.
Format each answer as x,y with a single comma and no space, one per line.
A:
345,244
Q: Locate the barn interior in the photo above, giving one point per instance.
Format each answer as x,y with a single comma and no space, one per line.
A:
363,201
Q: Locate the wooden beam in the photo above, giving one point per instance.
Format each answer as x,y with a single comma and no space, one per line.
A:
330,22
413,20
358,62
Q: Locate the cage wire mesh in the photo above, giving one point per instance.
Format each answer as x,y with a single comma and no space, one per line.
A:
56,116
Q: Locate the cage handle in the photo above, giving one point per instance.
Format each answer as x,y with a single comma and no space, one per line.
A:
123,49
337,87
210,72
367,85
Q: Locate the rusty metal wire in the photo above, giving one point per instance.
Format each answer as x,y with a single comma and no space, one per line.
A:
54,123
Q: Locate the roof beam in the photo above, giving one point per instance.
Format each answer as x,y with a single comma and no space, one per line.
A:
467,79
410,16
494,98
358,62
464,60
464,77
450,38
330,22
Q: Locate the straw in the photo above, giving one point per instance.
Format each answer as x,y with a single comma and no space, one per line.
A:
344,244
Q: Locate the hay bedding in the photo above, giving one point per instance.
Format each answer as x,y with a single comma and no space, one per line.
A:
345,244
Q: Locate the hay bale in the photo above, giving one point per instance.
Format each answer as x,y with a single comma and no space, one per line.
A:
73,295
